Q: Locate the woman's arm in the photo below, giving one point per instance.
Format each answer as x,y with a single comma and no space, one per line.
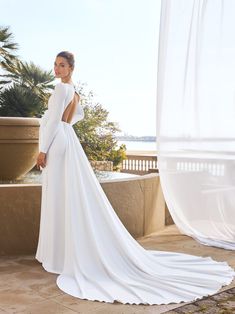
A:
55,112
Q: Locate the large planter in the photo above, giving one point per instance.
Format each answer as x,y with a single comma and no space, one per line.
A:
18,146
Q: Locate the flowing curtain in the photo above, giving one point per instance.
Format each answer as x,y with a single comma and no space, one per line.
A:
196,117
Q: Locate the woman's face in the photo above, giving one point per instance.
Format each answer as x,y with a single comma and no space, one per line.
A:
62,68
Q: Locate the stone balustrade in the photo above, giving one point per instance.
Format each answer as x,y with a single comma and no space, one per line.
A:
139,163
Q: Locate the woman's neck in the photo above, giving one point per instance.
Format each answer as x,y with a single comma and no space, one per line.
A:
67,81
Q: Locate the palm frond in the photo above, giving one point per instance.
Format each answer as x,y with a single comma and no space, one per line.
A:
7,45
19,101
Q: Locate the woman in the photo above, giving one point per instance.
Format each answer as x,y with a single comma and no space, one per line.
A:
81,237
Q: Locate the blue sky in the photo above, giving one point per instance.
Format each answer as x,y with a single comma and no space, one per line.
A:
115,45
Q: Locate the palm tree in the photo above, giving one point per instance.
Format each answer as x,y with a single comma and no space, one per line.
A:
24,87
17,101
29,76
7,46
25,91
20,79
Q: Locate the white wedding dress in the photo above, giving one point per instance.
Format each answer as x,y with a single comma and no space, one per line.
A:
82,239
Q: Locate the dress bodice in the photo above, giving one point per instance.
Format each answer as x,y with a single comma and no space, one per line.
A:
58,101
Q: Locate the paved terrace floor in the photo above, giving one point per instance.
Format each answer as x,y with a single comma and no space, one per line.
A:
26,288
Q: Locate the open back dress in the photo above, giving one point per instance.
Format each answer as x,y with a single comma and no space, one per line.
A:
82,239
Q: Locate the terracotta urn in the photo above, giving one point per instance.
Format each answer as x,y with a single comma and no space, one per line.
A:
18,146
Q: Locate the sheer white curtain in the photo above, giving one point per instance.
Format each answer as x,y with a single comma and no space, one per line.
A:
196,117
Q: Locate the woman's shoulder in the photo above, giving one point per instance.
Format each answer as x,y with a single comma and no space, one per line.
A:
62,88
61,85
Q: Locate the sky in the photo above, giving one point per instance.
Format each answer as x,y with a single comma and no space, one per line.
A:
115,44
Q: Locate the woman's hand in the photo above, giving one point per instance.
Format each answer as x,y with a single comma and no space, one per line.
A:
41,160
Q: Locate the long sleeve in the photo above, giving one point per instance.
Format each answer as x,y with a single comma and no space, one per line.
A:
55,112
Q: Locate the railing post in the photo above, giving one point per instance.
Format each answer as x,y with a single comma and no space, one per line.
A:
139,163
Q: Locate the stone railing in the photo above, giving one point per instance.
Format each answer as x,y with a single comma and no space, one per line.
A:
139,163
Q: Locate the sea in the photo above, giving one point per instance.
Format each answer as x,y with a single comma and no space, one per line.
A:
139,145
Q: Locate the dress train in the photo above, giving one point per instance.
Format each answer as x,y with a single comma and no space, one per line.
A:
83,240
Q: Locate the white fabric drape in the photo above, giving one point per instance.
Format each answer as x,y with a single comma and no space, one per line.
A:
196,117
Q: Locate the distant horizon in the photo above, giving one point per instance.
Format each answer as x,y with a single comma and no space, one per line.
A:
138,145
133,137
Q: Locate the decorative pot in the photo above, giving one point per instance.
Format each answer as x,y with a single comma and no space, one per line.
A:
18,146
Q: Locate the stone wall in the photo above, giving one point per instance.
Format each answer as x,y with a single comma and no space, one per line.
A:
168,218
19,216
138,202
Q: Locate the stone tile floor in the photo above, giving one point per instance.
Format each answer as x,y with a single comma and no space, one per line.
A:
221,303
26,288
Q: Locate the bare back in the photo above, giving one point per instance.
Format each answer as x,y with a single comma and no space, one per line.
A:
70,109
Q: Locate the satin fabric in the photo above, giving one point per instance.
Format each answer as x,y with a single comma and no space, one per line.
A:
83,240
